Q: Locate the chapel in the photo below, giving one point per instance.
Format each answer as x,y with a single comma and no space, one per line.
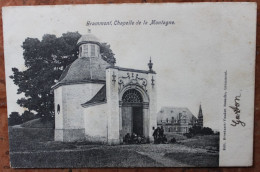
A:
100,102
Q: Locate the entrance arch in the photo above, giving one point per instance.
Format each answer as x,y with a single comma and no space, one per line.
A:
133,112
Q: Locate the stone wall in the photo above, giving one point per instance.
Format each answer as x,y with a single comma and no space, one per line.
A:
58,101
95,118
152,92
113,106
70,98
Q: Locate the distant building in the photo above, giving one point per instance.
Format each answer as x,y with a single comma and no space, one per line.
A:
178,119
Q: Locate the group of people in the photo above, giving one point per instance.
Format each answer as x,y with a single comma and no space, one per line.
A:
159,136
134,139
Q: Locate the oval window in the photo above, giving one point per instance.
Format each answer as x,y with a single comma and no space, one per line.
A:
58,108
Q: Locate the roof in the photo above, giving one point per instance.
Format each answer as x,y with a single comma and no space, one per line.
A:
169,112
88,38
100,97
82,70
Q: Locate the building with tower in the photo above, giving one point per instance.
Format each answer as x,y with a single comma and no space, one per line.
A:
178,119
101,102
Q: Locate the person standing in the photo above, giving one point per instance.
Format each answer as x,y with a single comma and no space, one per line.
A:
160,134
156,135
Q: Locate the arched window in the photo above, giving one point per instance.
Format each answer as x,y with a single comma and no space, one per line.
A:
132,96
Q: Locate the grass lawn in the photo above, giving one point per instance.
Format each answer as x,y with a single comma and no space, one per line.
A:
29,139
196,159
38,123
32,147
97,157
209,142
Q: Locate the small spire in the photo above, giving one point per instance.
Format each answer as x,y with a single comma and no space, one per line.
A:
150,65
200,117
200,111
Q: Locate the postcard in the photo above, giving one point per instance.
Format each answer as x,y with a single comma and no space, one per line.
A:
130,85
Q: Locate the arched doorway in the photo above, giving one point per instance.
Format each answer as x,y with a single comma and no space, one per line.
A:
132,113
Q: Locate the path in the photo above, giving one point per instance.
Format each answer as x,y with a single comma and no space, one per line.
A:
159,157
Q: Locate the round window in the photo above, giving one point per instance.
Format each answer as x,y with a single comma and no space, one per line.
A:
58,108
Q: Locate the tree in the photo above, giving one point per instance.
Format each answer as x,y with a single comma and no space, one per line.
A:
107,54
195,130
14,119
199,130
45,61
27,116
207,131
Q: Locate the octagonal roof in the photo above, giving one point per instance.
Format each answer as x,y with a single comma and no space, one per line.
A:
88,38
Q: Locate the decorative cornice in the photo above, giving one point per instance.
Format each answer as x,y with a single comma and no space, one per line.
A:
145,105
88,42
130,70
131,79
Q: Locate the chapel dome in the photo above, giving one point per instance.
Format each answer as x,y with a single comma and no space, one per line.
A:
83,70
87,68
88,38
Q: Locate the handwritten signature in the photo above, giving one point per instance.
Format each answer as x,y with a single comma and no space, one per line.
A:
237,112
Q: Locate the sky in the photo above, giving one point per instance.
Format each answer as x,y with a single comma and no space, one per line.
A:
190,56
